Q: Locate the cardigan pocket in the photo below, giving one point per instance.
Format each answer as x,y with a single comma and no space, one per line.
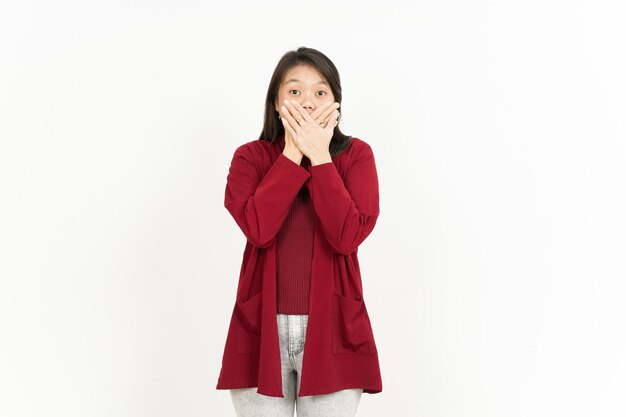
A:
248,314
352,331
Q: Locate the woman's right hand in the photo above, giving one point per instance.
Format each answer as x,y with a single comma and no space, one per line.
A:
291,150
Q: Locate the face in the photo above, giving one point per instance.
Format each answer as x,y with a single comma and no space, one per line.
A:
303,84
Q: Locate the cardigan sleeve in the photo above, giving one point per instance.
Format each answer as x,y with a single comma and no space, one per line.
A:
348,209
258,204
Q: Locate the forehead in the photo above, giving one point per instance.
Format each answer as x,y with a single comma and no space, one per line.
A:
303,74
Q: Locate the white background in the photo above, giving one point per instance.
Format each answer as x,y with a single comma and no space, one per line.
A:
495,275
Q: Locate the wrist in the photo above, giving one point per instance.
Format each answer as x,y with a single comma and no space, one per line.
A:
321,159
294,154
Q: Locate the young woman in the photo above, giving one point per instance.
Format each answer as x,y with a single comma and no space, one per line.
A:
305,196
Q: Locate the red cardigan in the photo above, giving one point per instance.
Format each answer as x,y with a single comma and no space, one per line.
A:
340,351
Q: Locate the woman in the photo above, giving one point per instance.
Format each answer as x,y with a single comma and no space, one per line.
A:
305,196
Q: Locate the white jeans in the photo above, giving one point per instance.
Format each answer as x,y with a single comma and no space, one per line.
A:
249,403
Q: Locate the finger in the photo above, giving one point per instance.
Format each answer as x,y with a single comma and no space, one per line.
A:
287,127
294,112
330,109
306,117
334,121
330,116
290,120
320,113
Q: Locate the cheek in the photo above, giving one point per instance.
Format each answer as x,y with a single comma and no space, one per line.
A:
280,98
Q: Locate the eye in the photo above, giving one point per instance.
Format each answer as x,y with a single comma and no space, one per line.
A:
292,90
323,92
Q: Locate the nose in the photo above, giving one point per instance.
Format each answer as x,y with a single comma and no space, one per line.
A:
307,103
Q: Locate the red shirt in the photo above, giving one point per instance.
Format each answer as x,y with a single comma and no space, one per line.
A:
294,253
339,351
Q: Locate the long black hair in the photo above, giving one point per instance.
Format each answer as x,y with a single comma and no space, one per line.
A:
272,125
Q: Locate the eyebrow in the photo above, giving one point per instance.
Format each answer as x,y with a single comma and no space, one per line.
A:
297,81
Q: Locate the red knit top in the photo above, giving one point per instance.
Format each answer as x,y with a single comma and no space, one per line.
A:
294,248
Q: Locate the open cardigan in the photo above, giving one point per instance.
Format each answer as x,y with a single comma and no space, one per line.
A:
340,351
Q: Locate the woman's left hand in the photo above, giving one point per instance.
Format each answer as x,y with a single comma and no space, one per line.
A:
312,139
